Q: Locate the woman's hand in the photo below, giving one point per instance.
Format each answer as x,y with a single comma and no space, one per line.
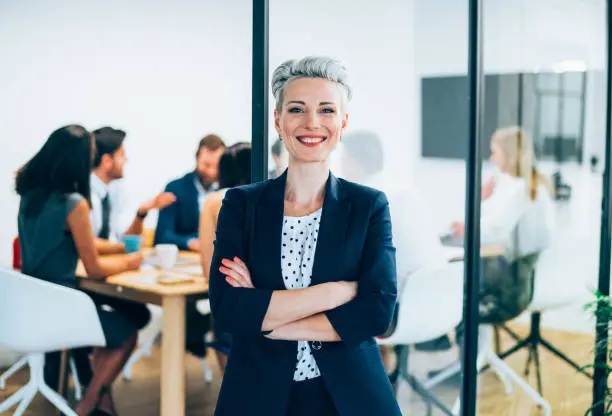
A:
341,293
236,273
488,188
134,260
458,228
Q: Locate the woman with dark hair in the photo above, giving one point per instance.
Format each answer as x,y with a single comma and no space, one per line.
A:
55,231
235,166
234,170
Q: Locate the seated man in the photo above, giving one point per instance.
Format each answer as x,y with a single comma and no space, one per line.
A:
107,201
179,223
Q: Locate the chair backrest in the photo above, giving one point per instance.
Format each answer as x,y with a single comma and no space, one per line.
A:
548,293
38,316
430,305
16,254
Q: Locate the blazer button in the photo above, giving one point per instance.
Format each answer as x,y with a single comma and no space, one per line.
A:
316,345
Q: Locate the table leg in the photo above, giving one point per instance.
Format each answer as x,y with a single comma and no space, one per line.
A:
62,383
173,353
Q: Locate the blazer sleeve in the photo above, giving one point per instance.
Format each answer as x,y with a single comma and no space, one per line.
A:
236,310
371,311
165,232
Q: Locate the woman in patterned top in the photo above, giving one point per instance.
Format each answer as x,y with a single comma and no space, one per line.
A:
303,272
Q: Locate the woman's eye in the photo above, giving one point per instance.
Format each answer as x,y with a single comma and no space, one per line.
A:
294,110
328,110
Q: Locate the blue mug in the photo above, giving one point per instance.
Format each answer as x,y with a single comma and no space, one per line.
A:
132,243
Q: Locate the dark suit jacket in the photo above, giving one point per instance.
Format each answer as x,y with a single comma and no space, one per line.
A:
179,222
354,244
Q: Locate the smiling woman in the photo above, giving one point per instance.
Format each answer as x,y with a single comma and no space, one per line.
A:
303,272
310,113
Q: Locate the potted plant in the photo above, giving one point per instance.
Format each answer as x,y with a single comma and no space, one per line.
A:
601,308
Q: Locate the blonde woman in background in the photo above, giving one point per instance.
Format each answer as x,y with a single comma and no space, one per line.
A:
518,213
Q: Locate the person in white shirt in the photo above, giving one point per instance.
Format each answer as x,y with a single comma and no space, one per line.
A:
107,207
106,198
414,234
517,212
280,158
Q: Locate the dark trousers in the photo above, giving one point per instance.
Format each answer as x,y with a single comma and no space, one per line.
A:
310,398
81,362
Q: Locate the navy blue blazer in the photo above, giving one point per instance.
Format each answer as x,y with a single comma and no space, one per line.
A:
179,222
354,244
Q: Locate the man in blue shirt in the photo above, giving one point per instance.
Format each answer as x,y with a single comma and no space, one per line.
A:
178,223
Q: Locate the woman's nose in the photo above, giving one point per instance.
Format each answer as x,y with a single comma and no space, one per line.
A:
313,121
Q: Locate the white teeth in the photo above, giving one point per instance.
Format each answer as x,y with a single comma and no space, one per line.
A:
311,139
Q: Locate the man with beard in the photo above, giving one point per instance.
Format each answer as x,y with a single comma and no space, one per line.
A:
179,223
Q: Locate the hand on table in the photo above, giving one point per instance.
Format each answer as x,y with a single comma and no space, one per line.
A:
194,245
134,260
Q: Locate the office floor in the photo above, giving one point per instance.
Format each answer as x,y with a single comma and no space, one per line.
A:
568,393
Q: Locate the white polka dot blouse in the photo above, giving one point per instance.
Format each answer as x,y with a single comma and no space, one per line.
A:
299,241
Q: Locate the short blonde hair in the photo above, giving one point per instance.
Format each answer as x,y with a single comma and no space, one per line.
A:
309,67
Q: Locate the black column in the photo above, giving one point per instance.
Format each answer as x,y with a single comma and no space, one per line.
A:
259,111
601,343
469,352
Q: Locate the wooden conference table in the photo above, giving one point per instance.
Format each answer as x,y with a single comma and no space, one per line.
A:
142,286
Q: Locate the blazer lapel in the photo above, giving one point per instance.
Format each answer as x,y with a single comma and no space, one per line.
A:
193,210
266,240
332,233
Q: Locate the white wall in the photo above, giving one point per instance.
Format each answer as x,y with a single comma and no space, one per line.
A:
519,35
170,72
376,41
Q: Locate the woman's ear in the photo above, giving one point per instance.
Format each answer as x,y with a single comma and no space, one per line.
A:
345,121
277,123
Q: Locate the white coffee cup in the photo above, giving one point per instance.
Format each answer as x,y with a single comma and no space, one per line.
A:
167,255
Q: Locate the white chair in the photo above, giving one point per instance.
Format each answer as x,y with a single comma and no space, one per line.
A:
549,295
430,306
44,317
487,357
78,389
149,334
